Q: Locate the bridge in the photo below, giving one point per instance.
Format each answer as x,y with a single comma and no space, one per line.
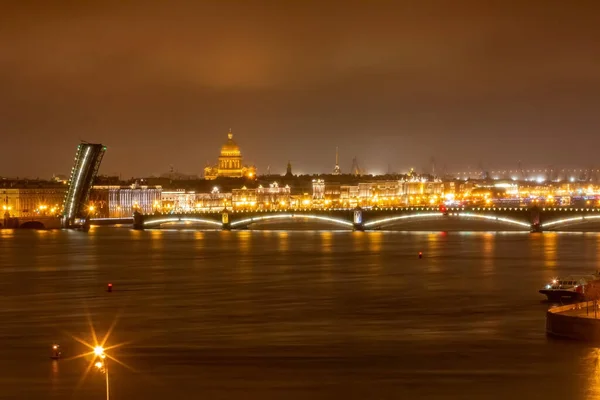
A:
532,219
37,222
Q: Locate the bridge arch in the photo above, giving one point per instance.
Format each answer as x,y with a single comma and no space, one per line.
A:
32,225
433,215
159,221
564,222
249,221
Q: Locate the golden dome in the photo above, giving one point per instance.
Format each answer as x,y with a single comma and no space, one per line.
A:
230,148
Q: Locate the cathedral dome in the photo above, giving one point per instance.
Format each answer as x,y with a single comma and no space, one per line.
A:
230,148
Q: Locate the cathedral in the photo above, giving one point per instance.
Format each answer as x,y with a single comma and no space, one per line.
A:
230,163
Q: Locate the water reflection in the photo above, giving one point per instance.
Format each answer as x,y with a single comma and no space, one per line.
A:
156,241
244,241
489,240
54,374
591,368
326,241
549,245
359,240
347,305
6,233
283,241
375,241
432,252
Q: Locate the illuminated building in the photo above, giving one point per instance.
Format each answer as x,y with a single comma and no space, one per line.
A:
349,195
243,198
332,192
116,201
124,201
29,202
178,200
273,196
213,200
318,189
230,163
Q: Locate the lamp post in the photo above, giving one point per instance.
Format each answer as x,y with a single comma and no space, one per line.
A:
101,364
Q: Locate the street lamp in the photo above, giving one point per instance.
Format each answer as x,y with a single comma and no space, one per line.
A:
101,364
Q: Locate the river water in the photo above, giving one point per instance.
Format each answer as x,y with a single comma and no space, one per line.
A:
290,314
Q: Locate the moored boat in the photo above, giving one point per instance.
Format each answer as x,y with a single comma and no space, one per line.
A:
571,287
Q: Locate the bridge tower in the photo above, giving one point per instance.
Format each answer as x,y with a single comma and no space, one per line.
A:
535,218
138,221
357,221
84,171
225,220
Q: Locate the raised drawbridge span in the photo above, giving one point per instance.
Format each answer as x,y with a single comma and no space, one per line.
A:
84,171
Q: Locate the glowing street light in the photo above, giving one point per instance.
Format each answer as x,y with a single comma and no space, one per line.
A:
99,351
102,366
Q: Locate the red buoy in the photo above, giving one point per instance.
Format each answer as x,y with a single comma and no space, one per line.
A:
56,353
109,288
420,254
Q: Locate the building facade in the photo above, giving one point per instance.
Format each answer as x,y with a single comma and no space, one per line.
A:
123,201
30,202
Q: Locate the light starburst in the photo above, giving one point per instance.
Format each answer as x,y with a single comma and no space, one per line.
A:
98,349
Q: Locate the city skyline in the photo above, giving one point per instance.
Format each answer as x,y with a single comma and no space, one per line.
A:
392,85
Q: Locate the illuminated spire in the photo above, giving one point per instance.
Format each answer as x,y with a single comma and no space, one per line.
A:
230,134
336,169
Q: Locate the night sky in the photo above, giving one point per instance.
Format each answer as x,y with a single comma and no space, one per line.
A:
390,82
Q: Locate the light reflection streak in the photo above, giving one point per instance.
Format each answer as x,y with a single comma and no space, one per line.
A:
433,247
358,240
284,241
489,242
156,242
549,246
592,362
326,242
244,241
375,240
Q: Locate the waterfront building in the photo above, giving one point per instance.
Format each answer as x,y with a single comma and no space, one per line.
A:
230,164
318,189
32,201
332,192
179,200
243,198
215,200
114,201
273,196
349,195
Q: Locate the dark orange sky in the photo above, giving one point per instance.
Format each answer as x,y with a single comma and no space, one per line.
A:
390,82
